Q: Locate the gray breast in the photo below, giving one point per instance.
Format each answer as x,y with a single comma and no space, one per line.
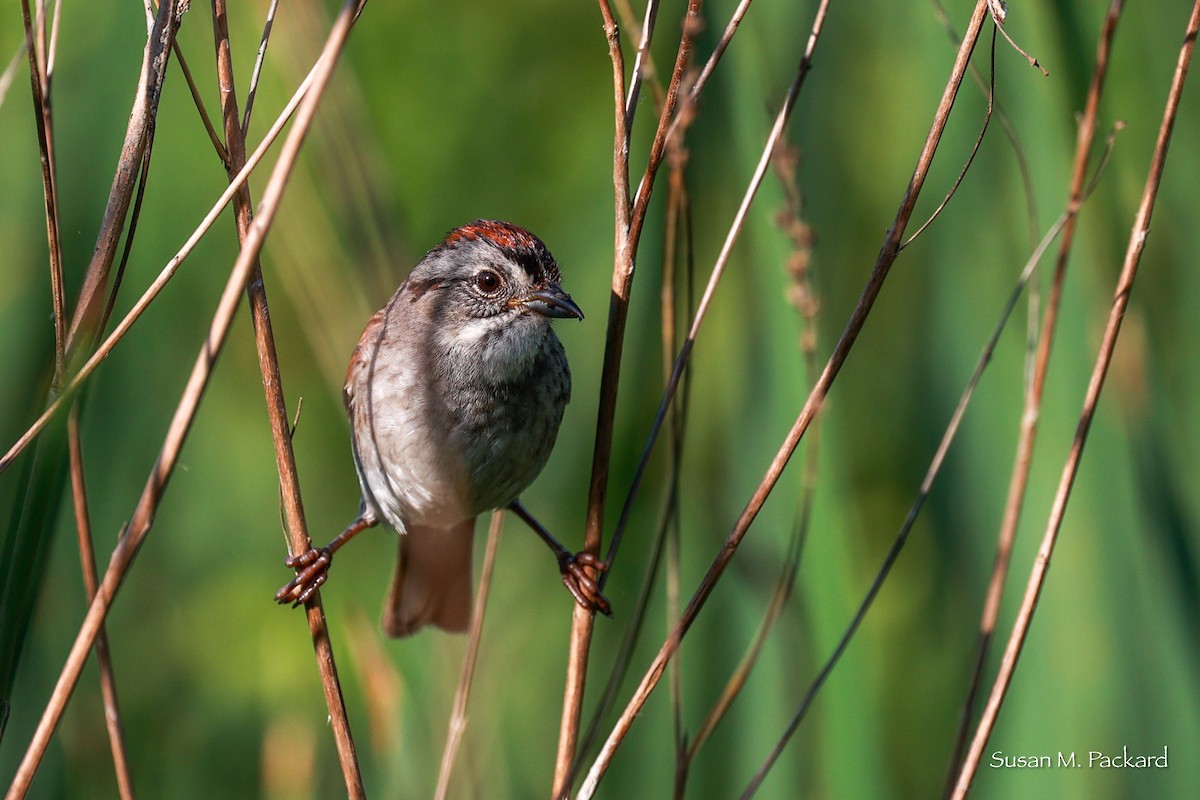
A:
505,430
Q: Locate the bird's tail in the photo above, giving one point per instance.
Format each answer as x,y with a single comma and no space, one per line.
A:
432,585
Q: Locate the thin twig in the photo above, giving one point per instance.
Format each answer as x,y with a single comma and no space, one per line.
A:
987,118
281,430
252,92
886,258
581,621
677,220
135,532
1023,458
641,64
1033,62
692,25
209,128
1006,123
462,695
135,214
52,52
667,537
1124,288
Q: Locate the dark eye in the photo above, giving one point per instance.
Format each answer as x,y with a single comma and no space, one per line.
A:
487,281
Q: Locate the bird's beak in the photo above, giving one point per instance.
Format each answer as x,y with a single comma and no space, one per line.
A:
552,302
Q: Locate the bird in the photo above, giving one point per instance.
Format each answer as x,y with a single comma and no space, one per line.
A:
455,393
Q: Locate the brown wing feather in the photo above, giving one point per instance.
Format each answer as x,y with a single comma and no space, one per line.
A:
360,359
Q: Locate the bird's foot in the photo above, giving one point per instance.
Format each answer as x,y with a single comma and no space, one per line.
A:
312,571
583,587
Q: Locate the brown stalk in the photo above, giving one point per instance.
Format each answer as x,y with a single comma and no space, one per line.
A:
628,227
87,558
692,24
718,271
462,695
135,531
886,258
668,528
1023,458
581,621
161,281
40,78
281,431
1124,287
726,37
731,28
92,296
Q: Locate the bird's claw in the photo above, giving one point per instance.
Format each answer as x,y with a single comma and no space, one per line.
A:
580,584
312,571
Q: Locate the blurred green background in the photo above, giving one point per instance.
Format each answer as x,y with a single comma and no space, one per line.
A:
443,113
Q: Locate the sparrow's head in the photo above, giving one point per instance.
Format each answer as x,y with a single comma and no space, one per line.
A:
495,270
491,290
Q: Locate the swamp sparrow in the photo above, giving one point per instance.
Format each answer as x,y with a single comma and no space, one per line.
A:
455,393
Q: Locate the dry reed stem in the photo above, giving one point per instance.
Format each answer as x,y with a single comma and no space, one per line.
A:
164,276
931,473
87,559
581,620
1023,457
40,77
135,532
462,694
731,28
252,91
676,206
281,431
92,295
841,350
692,24
41,61
642,66
1124,287
668,528
628,227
